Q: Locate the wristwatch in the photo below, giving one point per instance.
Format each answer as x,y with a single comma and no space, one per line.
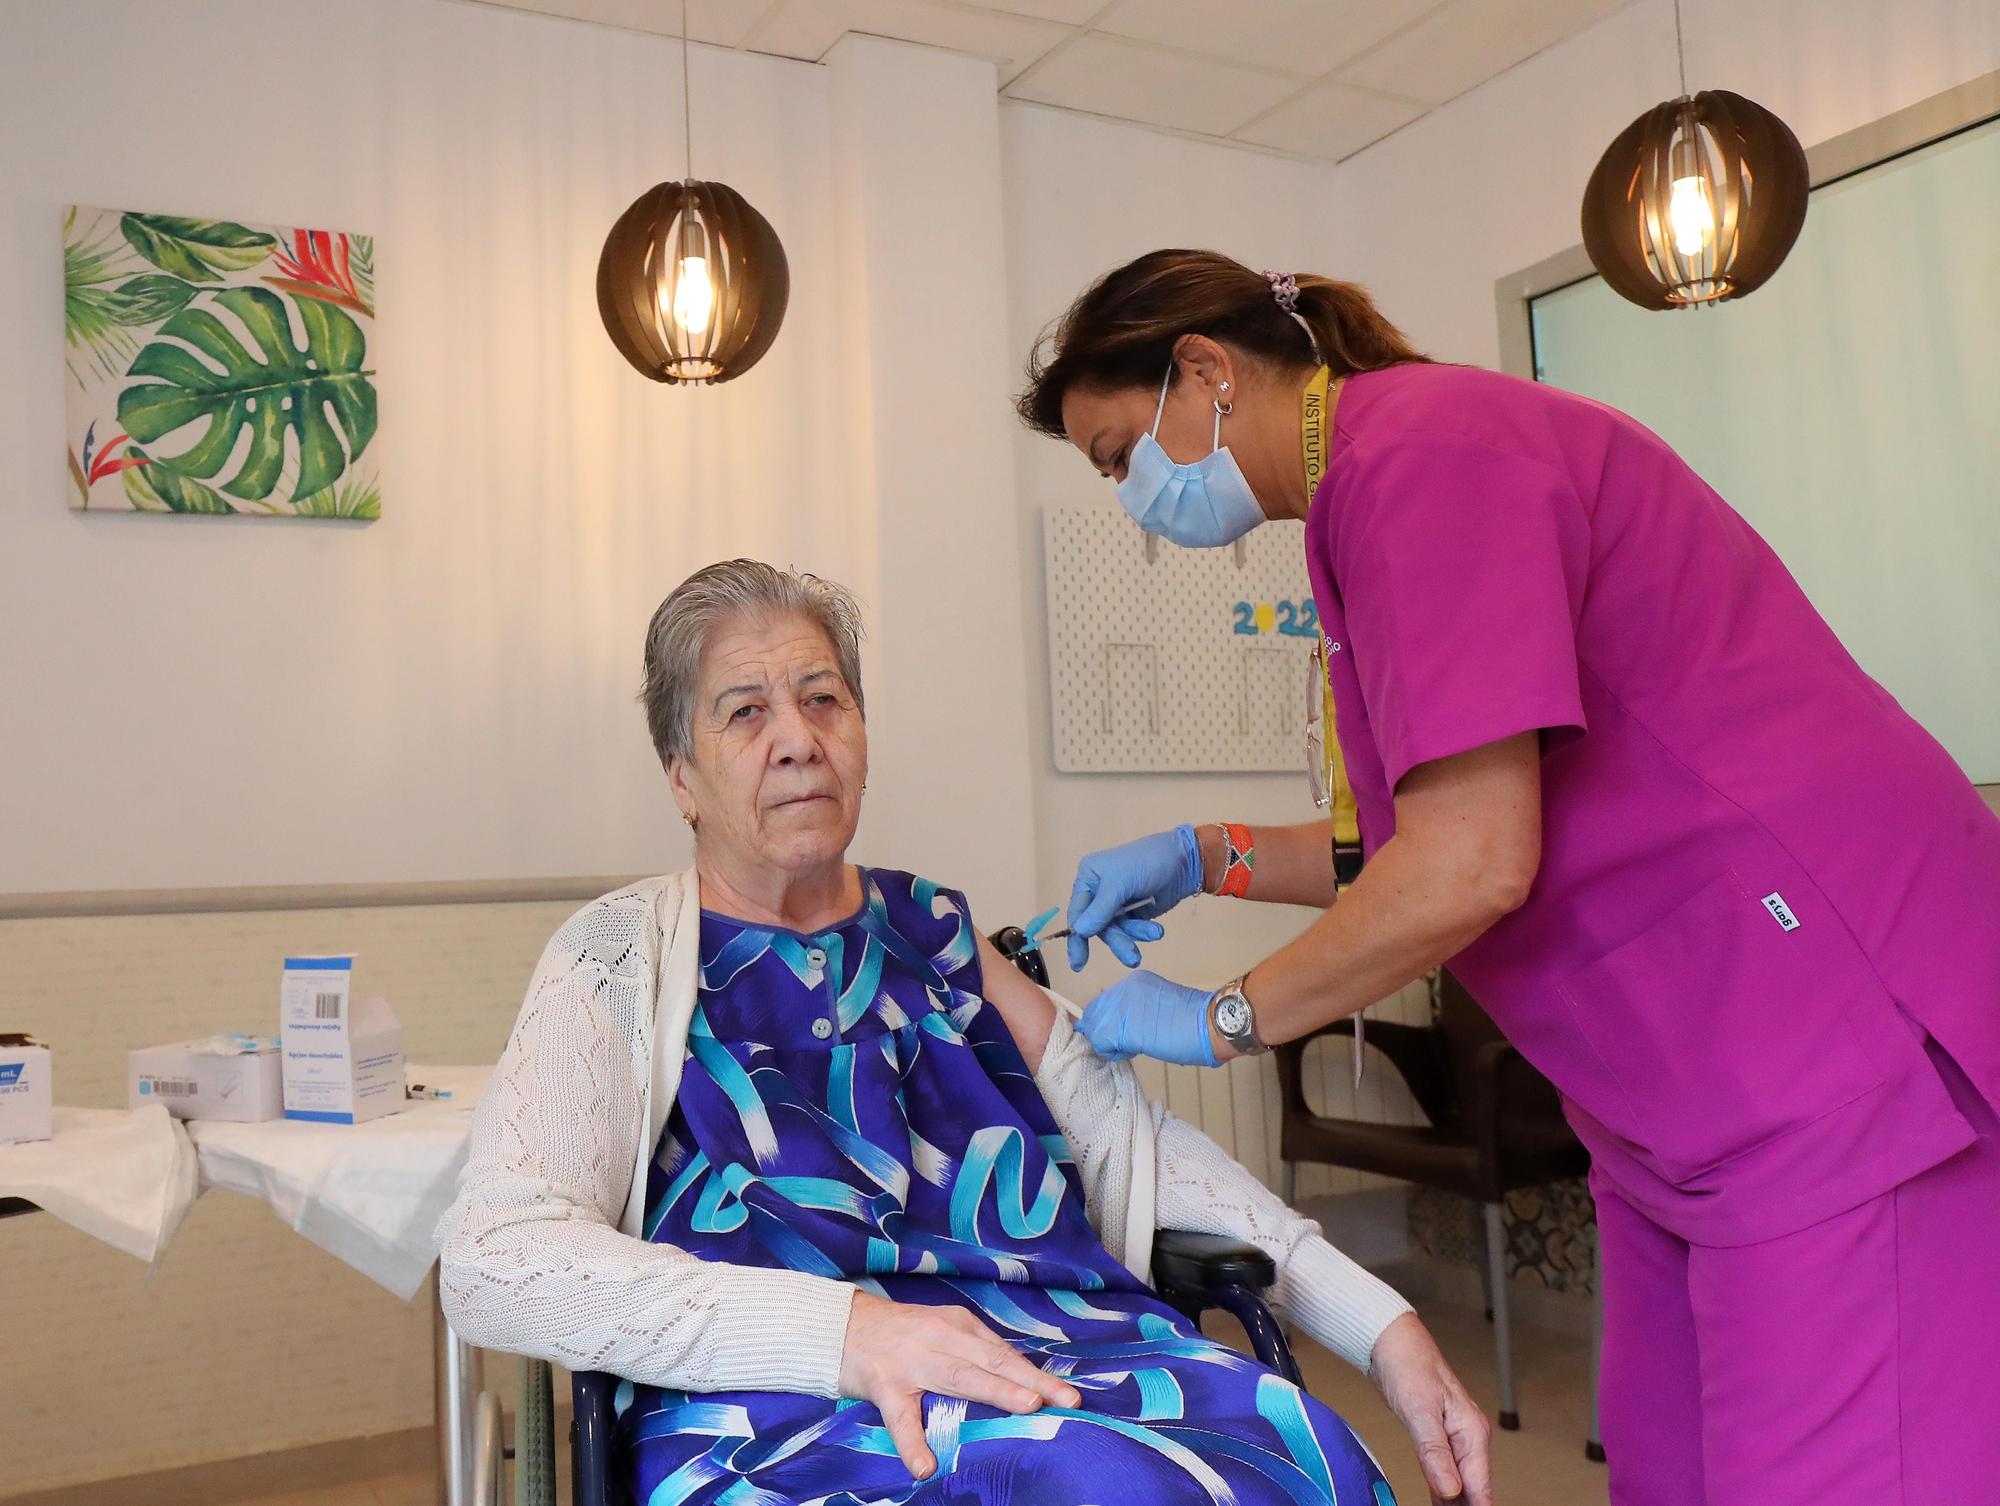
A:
1235,1020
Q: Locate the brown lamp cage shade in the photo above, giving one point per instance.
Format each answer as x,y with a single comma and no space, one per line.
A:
639,272
1750,188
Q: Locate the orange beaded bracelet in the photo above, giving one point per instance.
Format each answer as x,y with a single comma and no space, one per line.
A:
1239,857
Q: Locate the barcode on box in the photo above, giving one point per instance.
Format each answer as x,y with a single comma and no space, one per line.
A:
326,1006
173,1087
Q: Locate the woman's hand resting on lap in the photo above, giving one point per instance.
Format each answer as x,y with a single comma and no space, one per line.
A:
896,1351
1450,1434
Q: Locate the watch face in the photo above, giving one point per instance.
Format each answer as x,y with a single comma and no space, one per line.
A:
1232,1015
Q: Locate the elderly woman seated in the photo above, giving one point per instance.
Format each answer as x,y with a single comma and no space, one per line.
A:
785,1143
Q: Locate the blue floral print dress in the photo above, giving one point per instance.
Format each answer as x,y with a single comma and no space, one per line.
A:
851,1108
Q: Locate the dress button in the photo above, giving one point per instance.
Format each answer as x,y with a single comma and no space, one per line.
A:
816,958
822,1028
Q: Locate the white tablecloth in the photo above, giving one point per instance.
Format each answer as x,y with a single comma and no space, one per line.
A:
125,1176
370,1193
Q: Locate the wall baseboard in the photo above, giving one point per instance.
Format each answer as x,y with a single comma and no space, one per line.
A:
217,1482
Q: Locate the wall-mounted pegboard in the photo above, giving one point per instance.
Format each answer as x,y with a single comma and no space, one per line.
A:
1165,659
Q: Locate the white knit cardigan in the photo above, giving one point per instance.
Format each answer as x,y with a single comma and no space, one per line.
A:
541,1252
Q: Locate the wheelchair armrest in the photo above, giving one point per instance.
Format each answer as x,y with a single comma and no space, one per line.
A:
1198,1265
1194,1272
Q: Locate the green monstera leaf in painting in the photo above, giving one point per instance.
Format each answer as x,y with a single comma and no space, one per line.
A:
199,250
268,391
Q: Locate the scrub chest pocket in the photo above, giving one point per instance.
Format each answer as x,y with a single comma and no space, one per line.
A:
1724,1028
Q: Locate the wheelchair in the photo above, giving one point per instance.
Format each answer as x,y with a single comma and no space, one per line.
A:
1192,1273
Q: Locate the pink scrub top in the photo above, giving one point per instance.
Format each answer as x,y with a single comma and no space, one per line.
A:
1761,881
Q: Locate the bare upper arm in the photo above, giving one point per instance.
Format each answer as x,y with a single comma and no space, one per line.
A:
1027,1010
1479,814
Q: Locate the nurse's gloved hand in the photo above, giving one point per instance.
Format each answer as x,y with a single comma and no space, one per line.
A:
1142,879
1146,1015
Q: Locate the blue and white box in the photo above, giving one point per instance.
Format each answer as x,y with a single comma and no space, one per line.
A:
27,1091
343,1058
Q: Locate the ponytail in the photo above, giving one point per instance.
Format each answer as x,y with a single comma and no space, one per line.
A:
1350,331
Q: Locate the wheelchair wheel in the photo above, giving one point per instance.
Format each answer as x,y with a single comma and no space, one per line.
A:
535,1437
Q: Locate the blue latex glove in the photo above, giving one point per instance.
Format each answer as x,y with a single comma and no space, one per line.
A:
1158,871
1146,1015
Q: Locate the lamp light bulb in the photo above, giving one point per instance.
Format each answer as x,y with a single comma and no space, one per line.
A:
1691,214
694,295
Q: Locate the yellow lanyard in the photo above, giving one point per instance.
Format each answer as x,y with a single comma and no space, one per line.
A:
1322,396
1315,428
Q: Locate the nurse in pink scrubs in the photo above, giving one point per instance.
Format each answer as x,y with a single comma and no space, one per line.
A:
1611,766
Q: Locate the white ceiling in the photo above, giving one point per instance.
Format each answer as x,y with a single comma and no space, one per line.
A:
1319,78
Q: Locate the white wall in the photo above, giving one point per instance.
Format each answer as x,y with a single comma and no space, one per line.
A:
921,275
448,693
234,701
1492,183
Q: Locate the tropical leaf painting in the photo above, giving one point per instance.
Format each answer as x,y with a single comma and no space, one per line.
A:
219,367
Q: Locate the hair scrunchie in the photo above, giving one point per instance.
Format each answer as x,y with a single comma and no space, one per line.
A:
1284,288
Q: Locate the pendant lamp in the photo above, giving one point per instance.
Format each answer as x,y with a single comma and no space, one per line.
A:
1698,200
692,283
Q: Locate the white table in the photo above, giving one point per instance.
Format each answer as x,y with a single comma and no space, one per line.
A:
369,1194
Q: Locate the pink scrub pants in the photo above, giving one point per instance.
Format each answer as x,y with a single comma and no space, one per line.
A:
1854,1363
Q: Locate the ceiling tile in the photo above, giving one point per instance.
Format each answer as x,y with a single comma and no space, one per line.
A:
1470,41
1308,37
1110,76
722,23
809,28
1069,12
1329,121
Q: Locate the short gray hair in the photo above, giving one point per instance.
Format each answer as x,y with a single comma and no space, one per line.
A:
715,596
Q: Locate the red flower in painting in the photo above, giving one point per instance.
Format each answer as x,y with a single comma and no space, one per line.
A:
319,268
98,465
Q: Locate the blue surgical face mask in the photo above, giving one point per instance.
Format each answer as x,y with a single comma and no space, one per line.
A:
1199,506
